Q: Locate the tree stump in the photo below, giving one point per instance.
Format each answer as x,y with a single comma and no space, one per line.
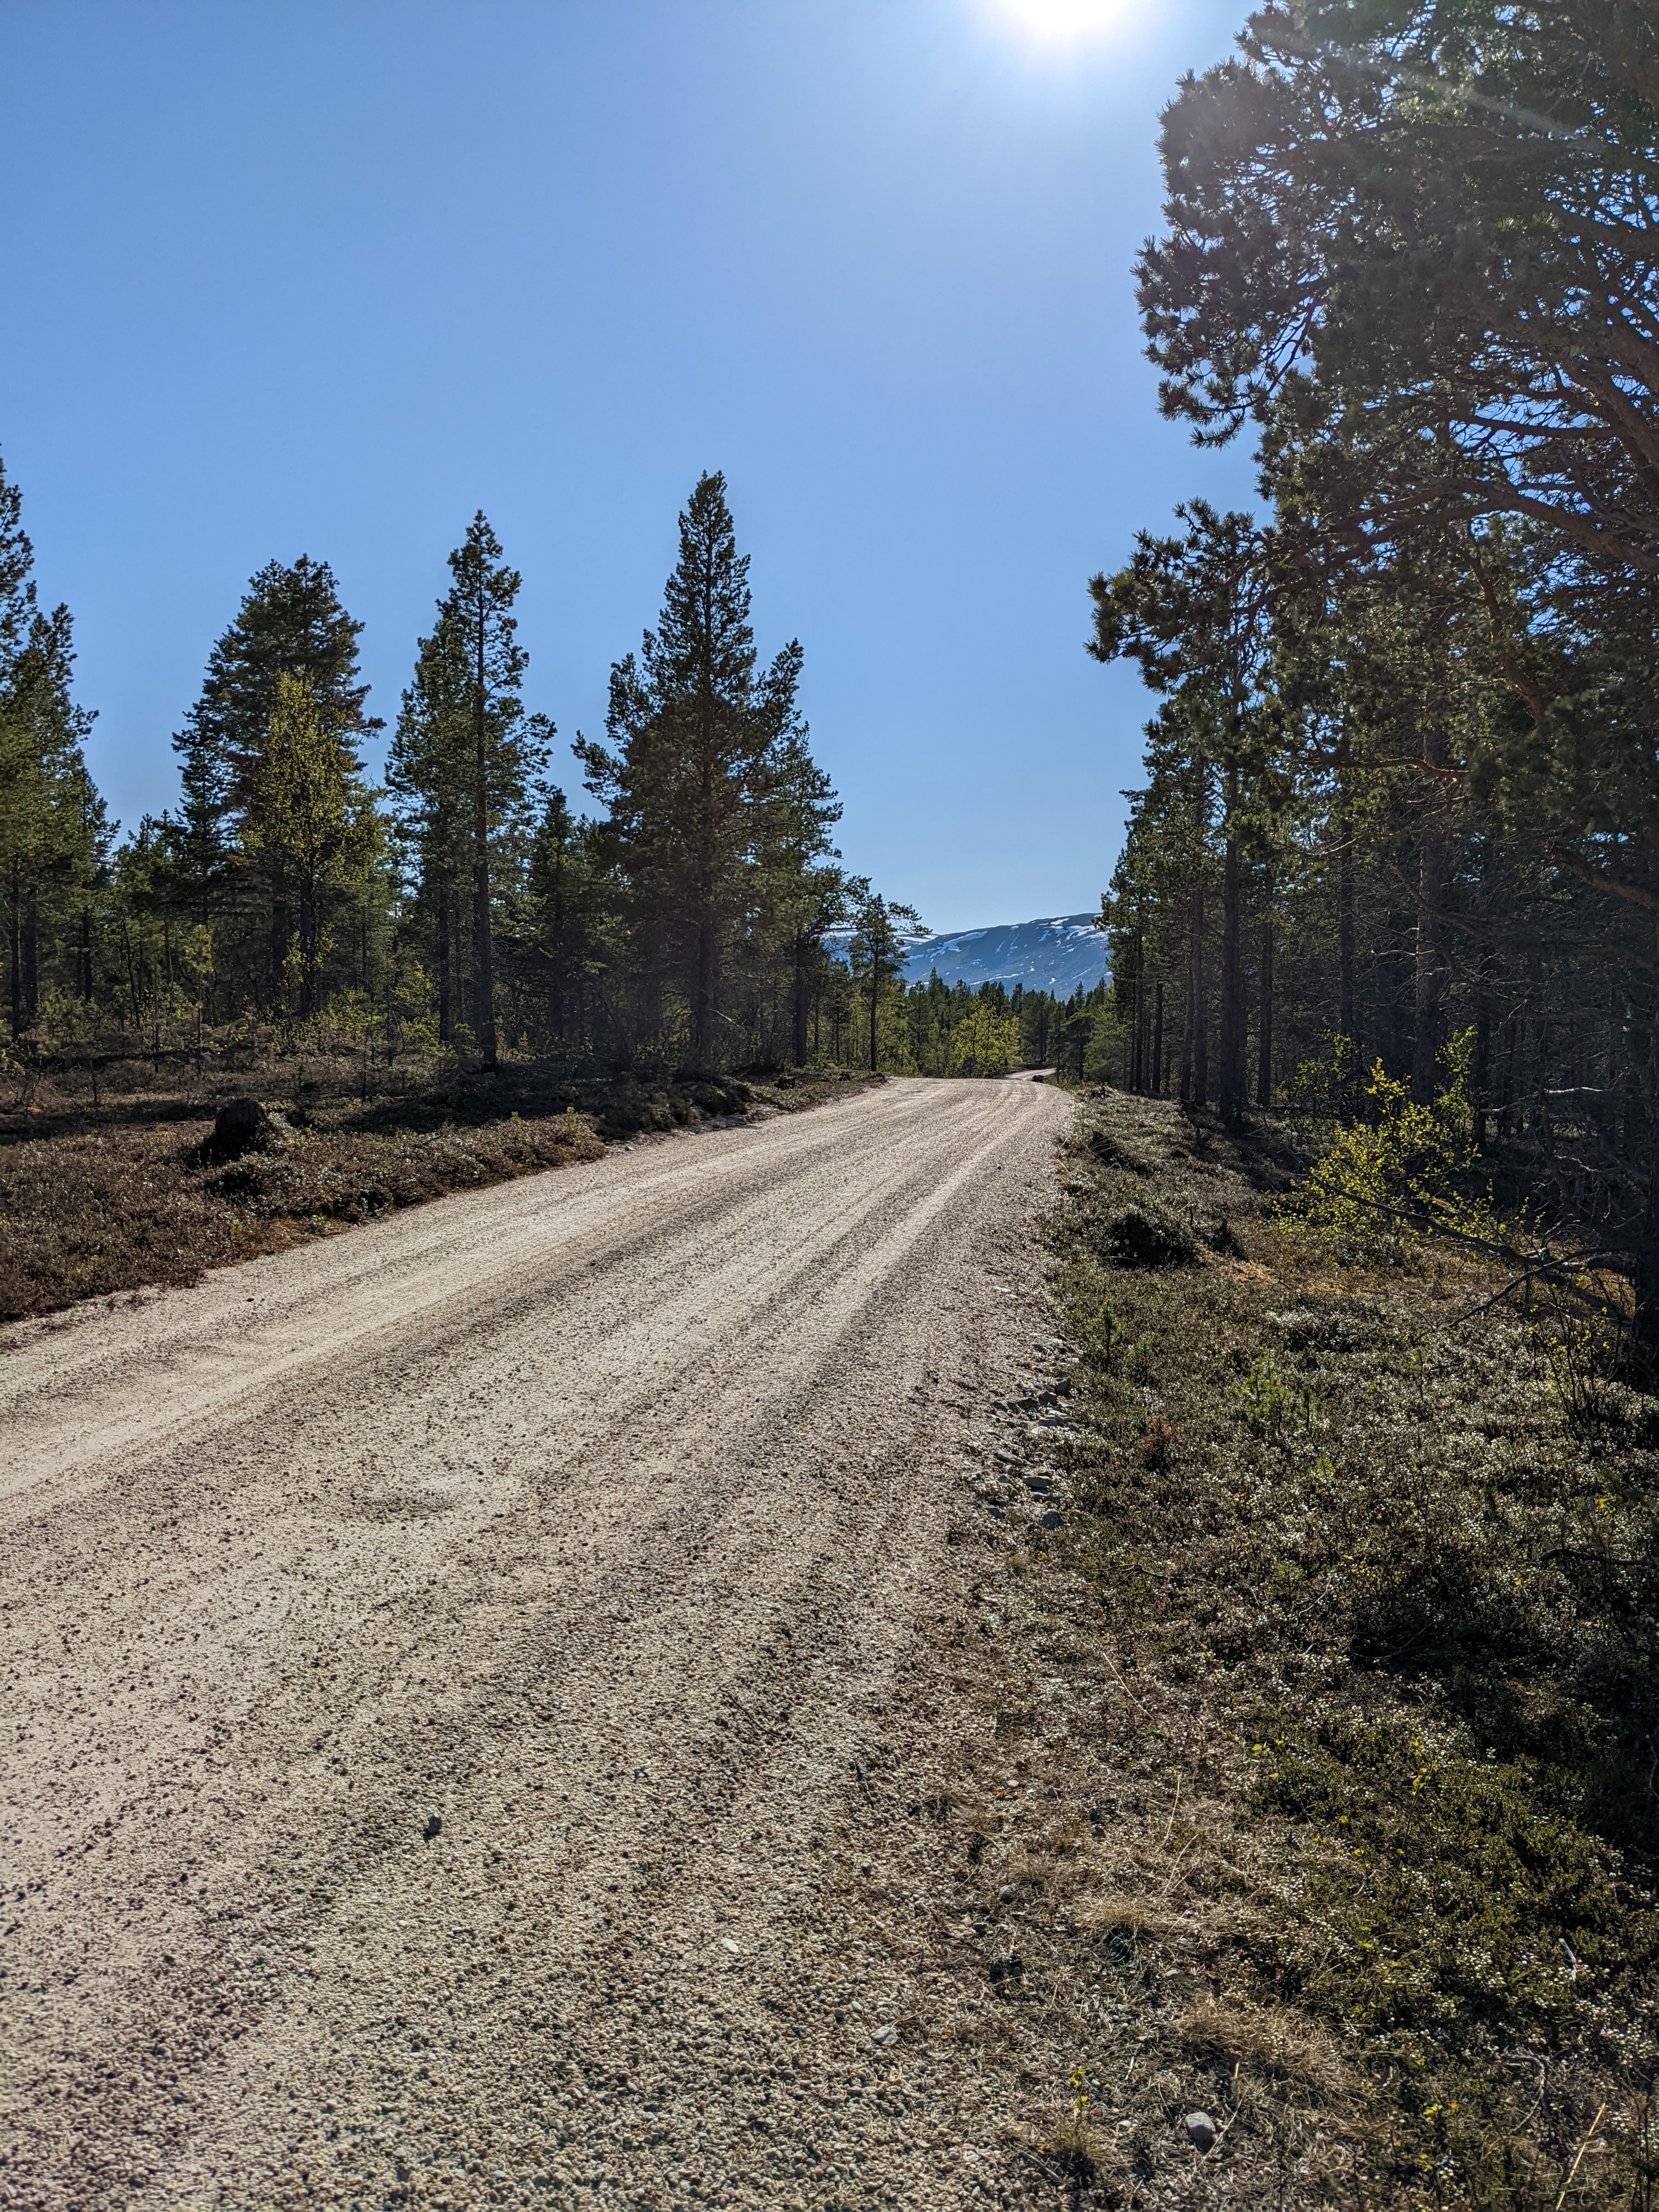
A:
241,1125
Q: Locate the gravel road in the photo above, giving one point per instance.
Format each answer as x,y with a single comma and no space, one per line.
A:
449,1665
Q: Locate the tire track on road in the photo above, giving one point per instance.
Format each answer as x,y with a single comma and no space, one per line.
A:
603,1533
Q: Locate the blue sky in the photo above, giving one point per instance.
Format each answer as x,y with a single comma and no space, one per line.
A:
282,277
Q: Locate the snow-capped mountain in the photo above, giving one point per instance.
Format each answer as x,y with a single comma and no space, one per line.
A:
1053,955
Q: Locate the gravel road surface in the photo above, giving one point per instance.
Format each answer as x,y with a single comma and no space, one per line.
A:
448,1664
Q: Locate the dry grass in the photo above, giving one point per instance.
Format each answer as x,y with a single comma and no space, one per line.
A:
1269,2041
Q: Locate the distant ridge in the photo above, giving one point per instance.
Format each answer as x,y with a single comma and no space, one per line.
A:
1056,953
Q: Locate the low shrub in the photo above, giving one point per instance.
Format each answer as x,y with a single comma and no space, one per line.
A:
1387,1621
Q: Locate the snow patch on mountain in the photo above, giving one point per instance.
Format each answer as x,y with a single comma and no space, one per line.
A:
1056,953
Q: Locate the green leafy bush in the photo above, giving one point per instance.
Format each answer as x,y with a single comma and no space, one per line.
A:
1401,1171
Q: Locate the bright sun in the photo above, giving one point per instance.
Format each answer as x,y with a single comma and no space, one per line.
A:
1063,19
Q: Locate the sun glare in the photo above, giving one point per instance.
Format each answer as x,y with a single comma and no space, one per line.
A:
1063,20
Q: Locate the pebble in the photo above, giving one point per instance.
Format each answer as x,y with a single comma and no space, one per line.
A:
1051,1520
1201,2130
1007,1894
884,2036
433,1826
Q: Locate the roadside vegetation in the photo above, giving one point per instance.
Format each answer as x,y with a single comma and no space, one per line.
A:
110,1182
442,982
1352,1820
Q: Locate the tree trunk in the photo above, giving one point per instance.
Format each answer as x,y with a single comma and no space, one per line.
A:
483,943
702,999
1264,1060
1200,1017
875,995
1428,982
279,928
1481,1101
1346,1016
15,955
308,962
803,999
31,960
446,964
1646,1286
1157,1043
1231,1088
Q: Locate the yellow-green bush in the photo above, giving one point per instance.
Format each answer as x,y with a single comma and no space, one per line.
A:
1400,1170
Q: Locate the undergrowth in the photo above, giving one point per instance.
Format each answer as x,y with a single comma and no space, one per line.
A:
1382,1601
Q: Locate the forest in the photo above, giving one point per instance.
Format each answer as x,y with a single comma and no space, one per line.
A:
465,909
1397,819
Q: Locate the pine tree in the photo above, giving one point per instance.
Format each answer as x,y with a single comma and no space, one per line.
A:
877,949
291,622
1443,211
427,771
805,889
54,830
694,734
50,821
1196,612
464,759
310,822
17,596
569,906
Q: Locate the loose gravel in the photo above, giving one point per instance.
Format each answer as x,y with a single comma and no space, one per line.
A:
473,1682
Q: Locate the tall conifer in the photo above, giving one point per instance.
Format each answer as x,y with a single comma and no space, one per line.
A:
694,731
51,822
466,756
291,622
